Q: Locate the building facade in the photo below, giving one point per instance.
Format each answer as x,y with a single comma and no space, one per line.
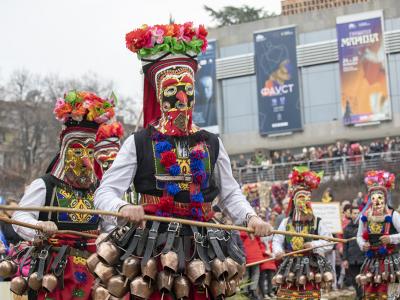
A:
291,7
319,78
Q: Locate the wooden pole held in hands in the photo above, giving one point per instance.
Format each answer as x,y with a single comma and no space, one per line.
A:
167,220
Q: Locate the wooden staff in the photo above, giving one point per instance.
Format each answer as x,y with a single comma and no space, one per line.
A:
37,227
167,220
296,252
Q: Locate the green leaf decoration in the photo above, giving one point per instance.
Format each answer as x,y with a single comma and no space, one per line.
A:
114,98
71,97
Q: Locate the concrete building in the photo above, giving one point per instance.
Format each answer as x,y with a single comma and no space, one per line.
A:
291,7
319,78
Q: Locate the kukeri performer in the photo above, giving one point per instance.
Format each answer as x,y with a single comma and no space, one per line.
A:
378,235
302,276
178,169
58,266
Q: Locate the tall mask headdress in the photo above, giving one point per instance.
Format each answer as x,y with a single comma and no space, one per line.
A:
108,143
168,54
81,113
301,180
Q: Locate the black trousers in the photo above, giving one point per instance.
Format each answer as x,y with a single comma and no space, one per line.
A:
265,282
350,279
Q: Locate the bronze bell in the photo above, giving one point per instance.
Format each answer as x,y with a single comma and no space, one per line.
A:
241,270
230,288
378,279
49,283
363,279
108,252
181,287
207,279
392,278
218,288
149,271
370,277
310,276
196,271
302,280
131,267
117,287
290,277
219,269
141,288
92,262
318,278
104,272
169,261
164,282
231,267
398,275
273,281
327,276
100,293
18,285
8,268
385,276
279,279
34,282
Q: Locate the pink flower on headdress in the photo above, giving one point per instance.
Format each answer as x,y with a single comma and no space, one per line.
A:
62,109
158,35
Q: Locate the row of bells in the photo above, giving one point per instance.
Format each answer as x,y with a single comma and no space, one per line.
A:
324,279
363,279
19,285
115,279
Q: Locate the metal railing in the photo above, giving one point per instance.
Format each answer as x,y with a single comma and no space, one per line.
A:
337,167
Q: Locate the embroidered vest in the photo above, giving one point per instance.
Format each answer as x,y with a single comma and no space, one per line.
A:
148,165
293,243
59,194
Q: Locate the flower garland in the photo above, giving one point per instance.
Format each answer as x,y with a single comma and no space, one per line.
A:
174,38
106,131
168,159
85,105
379,179
382,250
305,177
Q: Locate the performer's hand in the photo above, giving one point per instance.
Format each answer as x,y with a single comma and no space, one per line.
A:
279,255
48,227
366,246
133,213
259,227
307,245
385,239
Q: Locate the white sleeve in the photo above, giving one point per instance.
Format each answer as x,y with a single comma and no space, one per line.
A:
116,181
231,199
395,238
322,230
279,239
360,239
35,195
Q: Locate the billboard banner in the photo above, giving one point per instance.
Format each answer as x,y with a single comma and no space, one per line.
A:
205,110
277,81
363,68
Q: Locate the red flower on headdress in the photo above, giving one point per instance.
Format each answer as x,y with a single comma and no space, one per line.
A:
106,131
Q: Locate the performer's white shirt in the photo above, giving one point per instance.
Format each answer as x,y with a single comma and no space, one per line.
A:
394,238
35,195
118,178
278,240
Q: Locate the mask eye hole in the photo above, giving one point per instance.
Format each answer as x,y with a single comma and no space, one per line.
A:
78,152
166,106
90,152
170,91
189,89
180,105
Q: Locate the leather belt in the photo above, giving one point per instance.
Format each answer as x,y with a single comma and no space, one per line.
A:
151,241
133,244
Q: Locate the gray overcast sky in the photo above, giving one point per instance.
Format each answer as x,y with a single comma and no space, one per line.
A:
72,37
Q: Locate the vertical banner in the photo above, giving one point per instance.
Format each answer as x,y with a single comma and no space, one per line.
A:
363,68
277,81
205,110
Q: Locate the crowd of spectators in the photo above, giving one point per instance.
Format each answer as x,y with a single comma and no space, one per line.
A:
337,150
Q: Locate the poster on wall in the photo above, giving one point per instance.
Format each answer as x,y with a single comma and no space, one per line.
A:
277,81
330,214
205,110
363,68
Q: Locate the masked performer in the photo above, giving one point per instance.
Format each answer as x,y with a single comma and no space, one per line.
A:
178,169
58,266
378,235
302,276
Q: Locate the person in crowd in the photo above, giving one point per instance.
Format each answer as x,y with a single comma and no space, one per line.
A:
346,217
254,253
8,231
282,215
300,218
378,234
352,255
